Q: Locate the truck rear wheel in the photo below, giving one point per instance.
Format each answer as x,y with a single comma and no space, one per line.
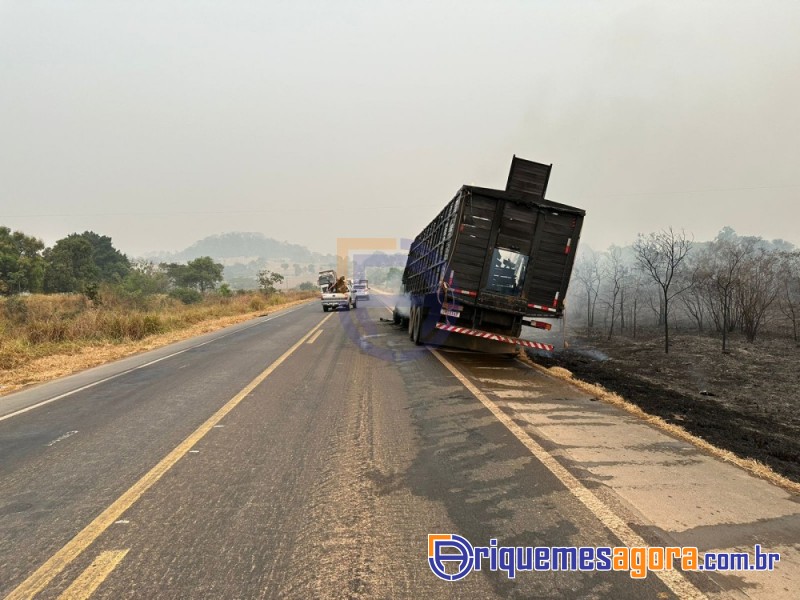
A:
324,309
415,325
418,326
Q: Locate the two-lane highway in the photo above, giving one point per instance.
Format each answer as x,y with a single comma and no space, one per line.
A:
65,461
301,456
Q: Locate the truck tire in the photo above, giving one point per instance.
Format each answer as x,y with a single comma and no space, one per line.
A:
324,309
420,316
355,303
411,318
396,318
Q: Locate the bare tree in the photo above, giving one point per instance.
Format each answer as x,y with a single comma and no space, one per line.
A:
654,298
587,272
694,280
616,272
723,266
694,303
660,255
790,289
636,289
757,290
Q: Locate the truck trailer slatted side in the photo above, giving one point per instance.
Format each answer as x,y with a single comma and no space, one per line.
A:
492,257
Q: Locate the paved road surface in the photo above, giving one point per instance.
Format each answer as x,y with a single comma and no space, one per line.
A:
301,456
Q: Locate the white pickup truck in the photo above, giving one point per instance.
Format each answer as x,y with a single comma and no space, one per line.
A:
335,292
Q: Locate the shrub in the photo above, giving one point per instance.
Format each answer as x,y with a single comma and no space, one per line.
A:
42,331
257,303
92,292
16,310
186,295
153,324
113,327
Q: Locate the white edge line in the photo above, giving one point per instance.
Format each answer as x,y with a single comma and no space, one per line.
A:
675,580
147,364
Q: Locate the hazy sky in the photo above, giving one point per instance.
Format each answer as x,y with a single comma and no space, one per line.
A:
159,123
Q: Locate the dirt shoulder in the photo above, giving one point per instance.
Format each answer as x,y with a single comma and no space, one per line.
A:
746,401
86,356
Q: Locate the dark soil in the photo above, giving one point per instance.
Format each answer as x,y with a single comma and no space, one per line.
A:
746,401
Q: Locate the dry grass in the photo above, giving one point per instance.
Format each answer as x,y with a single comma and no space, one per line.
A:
45,337
753,467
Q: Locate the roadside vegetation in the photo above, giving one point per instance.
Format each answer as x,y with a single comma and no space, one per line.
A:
665,280
701,334
82,302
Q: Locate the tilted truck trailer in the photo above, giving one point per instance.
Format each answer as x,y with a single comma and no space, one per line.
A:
491,262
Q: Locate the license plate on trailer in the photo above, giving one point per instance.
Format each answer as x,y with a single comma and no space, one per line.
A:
456,307
449,313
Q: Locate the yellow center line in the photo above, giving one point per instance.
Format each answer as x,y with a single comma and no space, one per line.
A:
315,336
59,561
674,580
95,574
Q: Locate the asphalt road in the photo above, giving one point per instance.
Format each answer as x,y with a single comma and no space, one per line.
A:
300,456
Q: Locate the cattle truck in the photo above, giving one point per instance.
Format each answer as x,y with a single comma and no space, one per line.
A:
491,263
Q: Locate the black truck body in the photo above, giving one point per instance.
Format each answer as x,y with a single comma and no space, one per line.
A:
490,262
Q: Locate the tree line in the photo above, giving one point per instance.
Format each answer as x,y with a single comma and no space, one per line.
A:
731,284
81,262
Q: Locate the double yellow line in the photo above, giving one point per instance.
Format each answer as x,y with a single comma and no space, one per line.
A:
88,581
40,578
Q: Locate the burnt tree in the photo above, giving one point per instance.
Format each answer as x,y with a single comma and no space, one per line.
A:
661,255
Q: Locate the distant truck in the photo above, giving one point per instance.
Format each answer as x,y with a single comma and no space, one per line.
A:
491,262
362,289
335,292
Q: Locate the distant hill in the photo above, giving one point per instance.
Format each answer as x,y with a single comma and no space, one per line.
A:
246,253
242,248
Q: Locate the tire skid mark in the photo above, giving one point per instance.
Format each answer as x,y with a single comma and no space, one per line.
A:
339,532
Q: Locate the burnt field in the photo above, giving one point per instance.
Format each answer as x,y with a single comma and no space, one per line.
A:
745,401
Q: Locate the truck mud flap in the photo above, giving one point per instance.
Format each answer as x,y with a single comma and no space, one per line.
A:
495,337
